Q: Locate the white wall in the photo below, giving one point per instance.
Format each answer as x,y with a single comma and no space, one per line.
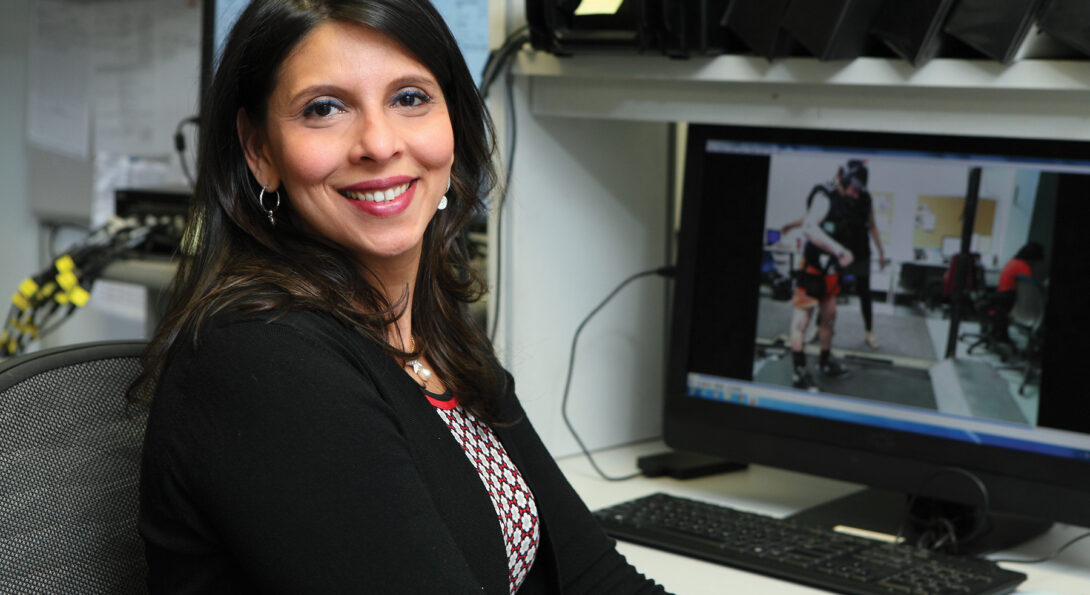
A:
18,257
585,211
37,181
1019,215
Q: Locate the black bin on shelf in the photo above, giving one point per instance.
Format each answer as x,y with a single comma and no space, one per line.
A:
756,24
832,29
995,28
1069,22
688,27
913,29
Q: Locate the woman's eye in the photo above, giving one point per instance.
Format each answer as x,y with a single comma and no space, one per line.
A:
411,99
323,108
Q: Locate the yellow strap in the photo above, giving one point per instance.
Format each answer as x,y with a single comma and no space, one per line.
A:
20,302
28,287
64,263
79,296
67,280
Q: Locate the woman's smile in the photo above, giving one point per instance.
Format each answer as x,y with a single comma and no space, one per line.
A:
379,195
382,202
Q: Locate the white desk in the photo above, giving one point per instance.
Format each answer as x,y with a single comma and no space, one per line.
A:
776,492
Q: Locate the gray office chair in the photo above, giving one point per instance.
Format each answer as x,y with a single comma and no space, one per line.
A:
1028,315
69,462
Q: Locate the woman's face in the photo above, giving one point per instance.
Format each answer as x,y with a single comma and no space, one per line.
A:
359,136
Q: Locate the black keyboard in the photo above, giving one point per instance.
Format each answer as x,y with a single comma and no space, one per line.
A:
799,553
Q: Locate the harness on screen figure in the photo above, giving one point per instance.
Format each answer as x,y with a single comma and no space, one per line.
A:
828,228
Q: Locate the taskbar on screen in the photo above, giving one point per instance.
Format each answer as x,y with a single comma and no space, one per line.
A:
1057,443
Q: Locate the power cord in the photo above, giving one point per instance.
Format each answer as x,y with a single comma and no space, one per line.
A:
666,271
53,229
499,61
947,537
1055,553
941,534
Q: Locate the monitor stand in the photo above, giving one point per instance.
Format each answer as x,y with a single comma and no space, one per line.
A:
881,514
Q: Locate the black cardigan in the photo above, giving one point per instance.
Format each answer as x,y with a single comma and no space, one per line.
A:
294,455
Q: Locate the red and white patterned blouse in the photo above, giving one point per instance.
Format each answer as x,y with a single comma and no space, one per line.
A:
511,497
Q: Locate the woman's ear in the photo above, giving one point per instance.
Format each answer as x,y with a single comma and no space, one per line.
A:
254,148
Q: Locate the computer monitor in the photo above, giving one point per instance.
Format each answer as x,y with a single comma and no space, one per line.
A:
944,439
217,18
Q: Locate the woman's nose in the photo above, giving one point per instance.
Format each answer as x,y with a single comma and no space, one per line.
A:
377,138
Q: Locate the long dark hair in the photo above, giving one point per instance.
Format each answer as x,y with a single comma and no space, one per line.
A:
232,259
1031,252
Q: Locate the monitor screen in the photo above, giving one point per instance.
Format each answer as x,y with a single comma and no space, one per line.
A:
217,16
822,321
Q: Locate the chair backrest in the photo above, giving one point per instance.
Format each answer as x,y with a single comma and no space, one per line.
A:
1029,302
973,281
69,463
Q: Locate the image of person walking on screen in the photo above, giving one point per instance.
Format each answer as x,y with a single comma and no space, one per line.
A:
828,229
860,228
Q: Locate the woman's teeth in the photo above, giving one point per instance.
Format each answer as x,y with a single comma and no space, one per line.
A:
378,195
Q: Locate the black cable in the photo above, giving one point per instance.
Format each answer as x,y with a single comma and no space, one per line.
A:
516,38
1044,558
48,330
499,61
666,271
512,141
498,58
179,146
53,229
950,534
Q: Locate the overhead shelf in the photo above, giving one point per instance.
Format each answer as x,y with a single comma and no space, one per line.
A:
1058,75
1030,98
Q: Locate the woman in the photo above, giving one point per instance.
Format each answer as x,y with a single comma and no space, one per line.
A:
327,418
1020,265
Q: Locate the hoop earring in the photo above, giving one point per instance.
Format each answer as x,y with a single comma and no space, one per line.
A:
269,212
443,201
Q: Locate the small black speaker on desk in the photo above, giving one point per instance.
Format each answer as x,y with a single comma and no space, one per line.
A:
832,29
995,28
1069,22
913,30
756,23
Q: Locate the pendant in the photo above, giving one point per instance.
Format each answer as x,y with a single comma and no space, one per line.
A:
419,369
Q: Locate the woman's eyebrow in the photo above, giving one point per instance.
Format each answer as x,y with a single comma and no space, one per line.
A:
315,90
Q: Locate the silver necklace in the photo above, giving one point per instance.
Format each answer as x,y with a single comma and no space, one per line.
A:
418,368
